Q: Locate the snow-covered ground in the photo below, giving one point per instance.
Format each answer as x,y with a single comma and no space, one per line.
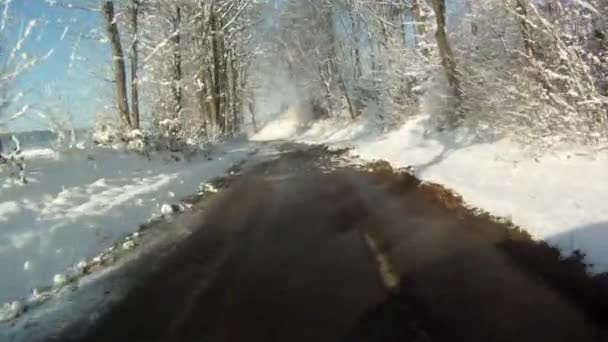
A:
79,202
559,196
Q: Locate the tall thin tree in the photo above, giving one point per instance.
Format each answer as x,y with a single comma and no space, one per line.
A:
118,62
447,60
134,6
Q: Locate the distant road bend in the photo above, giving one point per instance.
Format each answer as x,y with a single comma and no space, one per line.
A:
301,249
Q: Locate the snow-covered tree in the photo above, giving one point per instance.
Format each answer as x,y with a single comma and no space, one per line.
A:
202,69
529,70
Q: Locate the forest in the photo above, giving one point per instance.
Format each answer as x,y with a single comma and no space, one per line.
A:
189,70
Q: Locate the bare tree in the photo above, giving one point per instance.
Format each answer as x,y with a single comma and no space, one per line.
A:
118,62
447,59
134,8
420,17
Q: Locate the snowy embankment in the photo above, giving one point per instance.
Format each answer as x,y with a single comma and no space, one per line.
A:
558,196
77,203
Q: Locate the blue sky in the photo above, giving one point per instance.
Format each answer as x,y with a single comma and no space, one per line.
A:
65,86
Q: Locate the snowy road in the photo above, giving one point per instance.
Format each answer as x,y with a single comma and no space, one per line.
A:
301,248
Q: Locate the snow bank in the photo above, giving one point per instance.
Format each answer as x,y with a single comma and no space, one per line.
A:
336,132
80,202
559,197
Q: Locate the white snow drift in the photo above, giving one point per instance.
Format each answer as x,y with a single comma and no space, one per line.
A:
558,196
80,202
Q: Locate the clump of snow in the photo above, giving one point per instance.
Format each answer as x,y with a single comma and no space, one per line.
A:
136,140
558,196
167,209
106,131
36,296
97,259
207,187
59,279
82,264
128,244
10,311
40,153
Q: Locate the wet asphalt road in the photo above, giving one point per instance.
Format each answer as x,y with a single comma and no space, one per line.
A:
293,252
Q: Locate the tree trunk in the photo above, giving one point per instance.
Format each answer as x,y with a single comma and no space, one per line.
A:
176,87
420,27
202,76
224,81
357,70
351,109
419,17
447,59
119,62
133,13
530,51
468,6
213,107
217,70
248,96
236,102
522,11
326,75
251,106
597,44
201,96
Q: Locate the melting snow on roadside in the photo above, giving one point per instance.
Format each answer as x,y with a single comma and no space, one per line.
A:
80,202
557,196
